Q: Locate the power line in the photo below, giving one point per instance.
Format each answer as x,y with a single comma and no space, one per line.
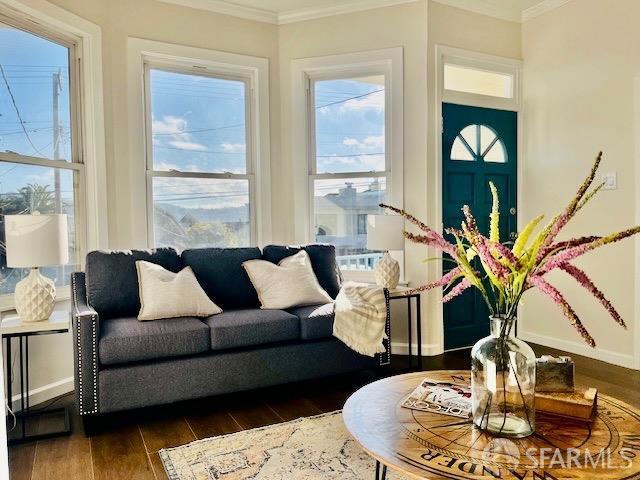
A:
350,155
208,152
15,106
183,132
350,98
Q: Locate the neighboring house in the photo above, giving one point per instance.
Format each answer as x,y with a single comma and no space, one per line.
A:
342,217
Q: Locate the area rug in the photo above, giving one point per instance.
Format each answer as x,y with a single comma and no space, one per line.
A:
313,448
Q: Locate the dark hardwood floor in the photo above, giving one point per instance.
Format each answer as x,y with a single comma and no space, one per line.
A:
127,444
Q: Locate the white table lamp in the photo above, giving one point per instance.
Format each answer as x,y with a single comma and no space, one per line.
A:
35,241
384,232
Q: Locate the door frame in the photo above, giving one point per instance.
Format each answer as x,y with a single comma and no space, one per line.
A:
491,63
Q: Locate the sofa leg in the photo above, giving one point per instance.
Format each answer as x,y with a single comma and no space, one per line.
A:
90,425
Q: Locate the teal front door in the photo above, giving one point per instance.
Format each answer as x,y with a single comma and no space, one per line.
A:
479,145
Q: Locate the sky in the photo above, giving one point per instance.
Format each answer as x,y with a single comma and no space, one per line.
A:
198,124
28,67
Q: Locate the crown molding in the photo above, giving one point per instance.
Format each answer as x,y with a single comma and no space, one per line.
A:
226,8
303,14
485,8
542,7
289,16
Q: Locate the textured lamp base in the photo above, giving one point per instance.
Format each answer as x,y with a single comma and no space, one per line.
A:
387,272
35,297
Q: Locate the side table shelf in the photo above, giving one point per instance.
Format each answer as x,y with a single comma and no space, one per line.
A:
11,327
399,293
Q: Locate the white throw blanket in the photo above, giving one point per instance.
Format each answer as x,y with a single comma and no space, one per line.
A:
360,318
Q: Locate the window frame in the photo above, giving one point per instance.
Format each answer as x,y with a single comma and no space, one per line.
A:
83,41
249,144
218,64
312,135
387,62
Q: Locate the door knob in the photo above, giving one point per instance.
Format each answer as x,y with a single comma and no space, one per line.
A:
513,235
512,210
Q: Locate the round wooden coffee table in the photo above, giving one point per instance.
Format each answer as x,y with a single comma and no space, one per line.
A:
428,445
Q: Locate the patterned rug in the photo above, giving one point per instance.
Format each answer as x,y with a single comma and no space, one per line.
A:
314,448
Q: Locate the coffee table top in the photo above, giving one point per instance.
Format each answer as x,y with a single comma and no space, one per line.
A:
434,446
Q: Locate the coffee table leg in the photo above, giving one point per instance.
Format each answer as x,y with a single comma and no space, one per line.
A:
381,474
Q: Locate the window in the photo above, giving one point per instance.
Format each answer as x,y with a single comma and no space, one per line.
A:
349,163
198,158
41,167
477,81
478,142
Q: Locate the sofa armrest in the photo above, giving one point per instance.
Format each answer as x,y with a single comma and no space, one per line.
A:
85,327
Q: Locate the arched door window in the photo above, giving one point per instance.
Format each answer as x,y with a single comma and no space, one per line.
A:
478,143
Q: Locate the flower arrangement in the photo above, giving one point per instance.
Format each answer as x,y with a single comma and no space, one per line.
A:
508,271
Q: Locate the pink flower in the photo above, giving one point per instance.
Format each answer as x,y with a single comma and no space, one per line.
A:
432,238
569,254
489,260
574,242
556,296
457,290
442,282
435,241
586,282
506,253
561,220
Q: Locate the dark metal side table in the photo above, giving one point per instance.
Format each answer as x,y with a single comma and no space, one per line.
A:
12,327
399,293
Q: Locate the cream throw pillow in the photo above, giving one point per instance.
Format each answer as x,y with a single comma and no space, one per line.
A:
291,283
164,294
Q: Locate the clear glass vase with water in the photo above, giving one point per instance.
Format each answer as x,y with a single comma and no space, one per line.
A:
503,374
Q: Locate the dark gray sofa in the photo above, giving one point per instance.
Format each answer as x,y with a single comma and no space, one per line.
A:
122,363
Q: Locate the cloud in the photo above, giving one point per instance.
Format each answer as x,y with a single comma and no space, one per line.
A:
201,192
374,142
182,145
234,147
373,101
168,125
172,130
350,142
365,163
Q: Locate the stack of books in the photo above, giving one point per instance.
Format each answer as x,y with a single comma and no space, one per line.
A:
556,394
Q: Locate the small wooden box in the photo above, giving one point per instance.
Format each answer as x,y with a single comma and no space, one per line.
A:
554,374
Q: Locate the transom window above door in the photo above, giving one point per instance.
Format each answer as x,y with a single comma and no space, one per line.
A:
478,143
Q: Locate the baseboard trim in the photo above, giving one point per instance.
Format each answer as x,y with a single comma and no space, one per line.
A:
44,393
402,348
608,356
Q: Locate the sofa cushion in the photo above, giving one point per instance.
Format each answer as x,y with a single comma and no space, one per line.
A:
112,280
219,271
323,261
127,339
316,321
243,328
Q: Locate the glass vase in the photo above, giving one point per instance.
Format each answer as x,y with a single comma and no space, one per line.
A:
503,380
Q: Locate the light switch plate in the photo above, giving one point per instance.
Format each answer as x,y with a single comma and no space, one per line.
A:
611,181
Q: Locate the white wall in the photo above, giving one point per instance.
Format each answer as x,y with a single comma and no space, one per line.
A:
580,64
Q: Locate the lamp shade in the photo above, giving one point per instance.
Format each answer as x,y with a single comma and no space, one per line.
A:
384,232
36,240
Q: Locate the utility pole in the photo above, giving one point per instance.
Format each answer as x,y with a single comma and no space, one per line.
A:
57,137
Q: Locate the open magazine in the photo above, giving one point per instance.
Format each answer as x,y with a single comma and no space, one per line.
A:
441,397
